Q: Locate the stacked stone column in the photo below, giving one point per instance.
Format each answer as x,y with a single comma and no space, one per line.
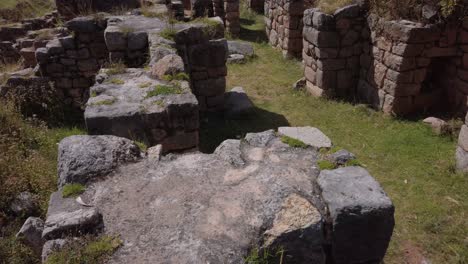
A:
332,46
205,61
283,21
228,10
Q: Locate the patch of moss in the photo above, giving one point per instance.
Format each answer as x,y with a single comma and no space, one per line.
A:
353,162
105,102
93,94
73,190
117,81
159,103
181,76
88,250
163,90
292,142
326,165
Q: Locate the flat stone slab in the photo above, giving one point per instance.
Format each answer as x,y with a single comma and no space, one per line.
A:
66,217
138,107
309,135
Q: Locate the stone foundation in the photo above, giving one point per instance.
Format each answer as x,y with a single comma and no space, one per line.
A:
283,21
398,67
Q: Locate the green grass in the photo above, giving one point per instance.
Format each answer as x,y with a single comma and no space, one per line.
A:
16,10
144,85
181,76
73,190
104,102
163,90
87,251
414,166
142,145
28,162
117,81
116,68
168,33
292,142
326,165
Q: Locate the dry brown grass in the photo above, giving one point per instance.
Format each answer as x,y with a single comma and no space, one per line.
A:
330,6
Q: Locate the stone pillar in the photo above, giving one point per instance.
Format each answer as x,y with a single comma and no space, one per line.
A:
332,45
232,17
284,25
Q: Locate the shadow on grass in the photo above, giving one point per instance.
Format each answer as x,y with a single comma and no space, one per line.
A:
252,35
214,129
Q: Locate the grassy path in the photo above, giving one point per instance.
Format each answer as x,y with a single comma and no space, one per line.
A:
415,167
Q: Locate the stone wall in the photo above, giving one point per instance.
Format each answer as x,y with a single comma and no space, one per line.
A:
10,46
399,67
227,10
283,19
461,154
72,62
332,48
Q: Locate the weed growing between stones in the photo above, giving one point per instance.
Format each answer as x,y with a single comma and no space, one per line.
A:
159,103
163,90
168,33
105,102
292,142
181,76
265,256
143,147
90,250
117,81
116,68
326,165
353,162
73,190
93,94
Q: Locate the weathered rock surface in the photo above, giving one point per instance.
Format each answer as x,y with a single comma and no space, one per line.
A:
361,215
438,125
236,59
309,135
51,246
66,217
135,106
31,233
257,192
83,158
239,47
341,157
24,204
169,65
237,104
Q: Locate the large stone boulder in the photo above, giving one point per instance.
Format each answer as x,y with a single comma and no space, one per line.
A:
83,158
24,204
252,194
171,64
239,47
361,215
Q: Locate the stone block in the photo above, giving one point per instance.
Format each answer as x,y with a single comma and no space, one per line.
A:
361,215
322,21
210,87
407,50
310,74
116,39
401,89
463,138
399,63
322,39
326,80
331,64
137,40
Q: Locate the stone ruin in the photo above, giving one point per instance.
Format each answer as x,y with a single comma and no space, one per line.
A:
173,208
399,67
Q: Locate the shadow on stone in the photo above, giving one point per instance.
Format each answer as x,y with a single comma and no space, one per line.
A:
214,129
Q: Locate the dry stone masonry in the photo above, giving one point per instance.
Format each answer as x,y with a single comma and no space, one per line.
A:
278,199
400,67
283,19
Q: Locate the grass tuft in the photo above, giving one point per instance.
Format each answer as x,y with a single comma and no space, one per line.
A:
330,6
89,250
181,76
117,81
144,85
326,165
116,68
292,142
168,33
163,90
73,190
